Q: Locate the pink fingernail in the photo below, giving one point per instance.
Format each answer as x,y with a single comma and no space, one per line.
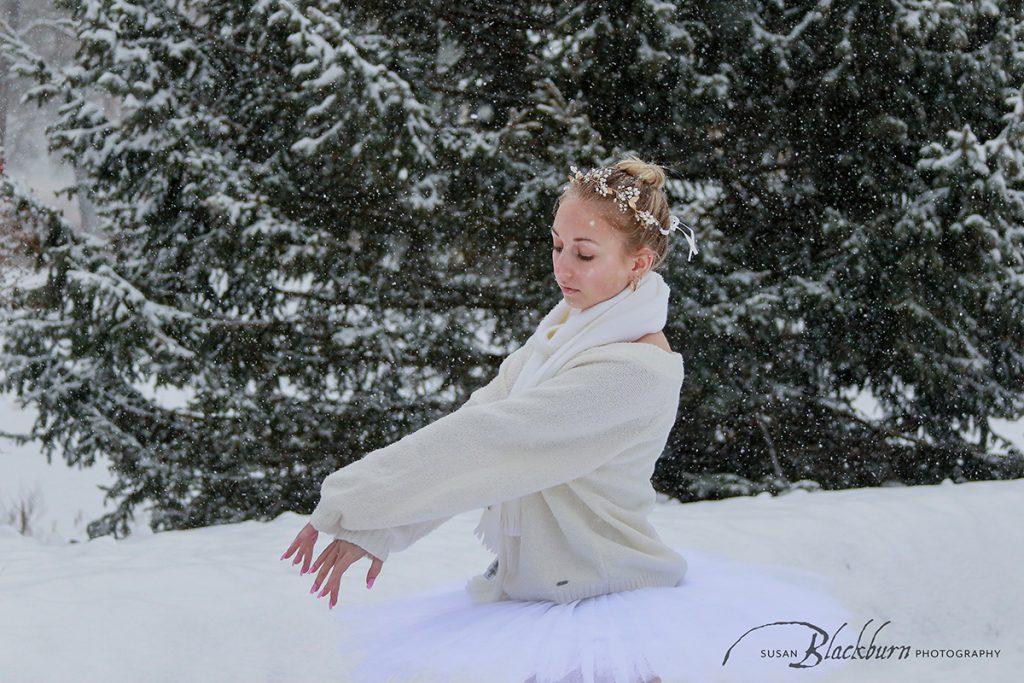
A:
369,584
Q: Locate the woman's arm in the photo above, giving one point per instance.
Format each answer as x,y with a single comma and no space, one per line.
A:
382,542
486,453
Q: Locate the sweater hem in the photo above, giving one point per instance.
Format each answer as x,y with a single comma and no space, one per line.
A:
376,541
564,595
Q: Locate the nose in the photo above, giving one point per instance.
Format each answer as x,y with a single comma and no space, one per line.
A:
562,274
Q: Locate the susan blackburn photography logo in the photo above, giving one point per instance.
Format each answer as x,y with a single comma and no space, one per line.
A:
821,646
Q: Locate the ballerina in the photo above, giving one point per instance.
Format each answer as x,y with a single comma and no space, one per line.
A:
558,449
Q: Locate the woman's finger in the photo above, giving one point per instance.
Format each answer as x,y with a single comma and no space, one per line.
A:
333,586
319,561
375,567
307,555
291,549
331,548
326,561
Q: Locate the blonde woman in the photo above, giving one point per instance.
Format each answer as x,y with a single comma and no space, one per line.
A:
558,449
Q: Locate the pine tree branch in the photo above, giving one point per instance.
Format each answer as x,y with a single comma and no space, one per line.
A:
872,426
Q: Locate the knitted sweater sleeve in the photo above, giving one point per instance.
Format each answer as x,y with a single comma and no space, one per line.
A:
382,542
484,453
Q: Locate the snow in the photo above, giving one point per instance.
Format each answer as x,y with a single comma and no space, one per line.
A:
66,498
941,562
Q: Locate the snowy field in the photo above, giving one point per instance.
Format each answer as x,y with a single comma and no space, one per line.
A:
940,563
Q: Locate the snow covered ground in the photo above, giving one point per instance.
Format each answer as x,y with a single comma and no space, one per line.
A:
941,563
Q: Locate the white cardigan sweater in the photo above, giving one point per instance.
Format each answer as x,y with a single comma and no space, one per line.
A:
577,450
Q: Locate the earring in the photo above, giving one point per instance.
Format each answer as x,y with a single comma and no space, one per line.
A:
632,284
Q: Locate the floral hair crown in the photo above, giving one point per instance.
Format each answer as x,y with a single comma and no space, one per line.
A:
626,199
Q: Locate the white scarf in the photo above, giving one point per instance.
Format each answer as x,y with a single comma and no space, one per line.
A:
564,332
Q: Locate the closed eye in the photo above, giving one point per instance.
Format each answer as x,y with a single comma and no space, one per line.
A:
579,256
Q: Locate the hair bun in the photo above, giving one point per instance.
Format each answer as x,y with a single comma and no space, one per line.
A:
652,174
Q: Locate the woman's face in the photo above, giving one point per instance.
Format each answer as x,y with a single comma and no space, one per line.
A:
588,255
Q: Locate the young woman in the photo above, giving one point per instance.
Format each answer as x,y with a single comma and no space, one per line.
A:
559,449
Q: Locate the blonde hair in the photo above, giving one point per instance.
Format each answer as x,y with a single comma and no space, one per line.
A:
652,198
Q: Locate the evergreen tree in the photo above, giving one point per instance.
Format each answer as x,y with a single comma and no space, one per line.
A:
802,132
309,212
849,263
266,195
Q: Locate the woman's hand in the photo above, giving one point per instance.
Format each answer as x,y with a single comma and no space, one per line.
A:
336,558
304,542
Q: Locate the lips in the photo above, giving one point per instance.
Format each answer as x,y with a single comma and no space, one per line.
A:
567,290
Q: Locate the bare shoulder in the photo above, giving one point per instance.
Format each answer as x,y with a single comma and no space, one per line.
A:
656,338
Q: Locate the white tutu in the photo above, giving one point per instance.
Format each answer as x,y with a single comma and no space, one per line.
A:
672,635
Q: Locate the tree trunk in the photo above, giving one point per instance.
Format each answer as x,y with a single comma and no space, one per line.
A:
12,14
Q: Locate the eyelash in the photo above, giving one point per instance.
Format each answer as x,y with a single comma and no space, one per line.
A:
581,257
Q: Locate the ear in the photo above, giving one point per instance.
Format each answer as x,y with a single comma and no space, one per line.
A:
642,263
